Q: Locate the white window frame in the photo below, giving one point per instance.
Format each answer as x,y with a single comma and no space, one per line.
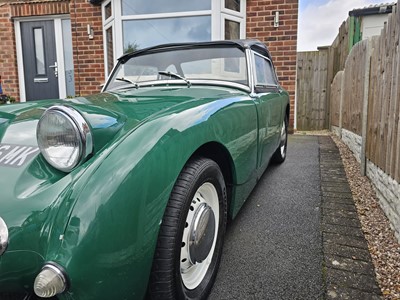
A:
110,22
241,22
235,16
62,89
241,14
218,14
197,13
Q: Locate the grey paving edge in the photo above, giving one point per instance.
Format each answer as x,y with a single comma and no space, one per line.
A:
348,269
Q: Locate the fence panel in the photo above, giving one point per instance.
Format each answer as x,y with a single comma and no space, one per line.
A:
383,128
312,107
315,73
354,88
383,142
336,90
374,103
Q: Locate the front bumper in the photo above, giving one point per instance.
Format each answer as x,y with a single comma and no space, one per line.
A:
18,270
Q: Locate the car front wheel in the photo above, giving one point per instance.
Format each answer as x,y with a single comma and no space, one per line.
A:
280,153
191,235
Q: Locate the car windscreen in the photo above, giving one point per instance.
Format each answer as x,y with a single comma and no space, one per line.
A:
205,63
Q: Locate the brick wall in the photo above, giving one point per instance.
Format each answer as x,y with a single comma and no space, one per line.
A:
8,60
47,7
8,56
88,53
281,41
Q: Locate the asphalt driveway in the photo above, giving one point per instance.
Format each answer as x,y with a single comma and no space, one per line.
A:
273,249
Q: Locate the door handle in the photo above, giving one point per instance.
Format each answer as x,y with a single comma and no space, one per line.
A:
55,67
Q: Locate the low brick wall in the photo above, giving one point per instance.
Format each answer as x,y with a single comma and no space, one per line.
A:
354,142
388,192
335,130
387,189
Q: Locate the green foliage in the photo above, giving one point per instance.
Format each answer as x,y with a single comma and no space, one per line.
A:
131,47
6,99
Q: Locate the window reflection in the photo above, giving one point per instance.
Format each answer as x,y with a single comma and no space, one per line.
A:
233,5
139,7
193,64
110,50
232,30
140,34
264,71
107,11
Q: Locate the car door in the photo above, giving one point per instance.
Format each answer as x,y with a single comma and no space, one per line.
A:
269,108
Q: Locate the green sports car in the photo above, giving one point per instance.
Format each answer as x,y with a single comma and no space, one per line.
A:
126,194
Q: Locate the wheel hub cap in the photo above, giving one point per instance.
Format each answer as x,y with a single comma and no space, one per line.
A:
201,234
283,139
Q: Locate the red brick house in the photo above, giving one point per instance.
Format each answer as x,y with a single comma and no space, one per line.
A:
61,48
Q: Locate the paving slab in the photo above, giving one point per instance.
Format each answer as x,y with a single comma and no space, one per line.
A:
349,272
298,236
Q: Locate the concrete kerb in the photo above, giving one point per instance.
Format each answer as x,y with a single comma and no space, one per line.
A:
348,268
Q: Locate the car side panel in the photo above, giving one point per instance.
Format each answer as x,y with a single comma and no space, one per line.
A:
112,233
269,107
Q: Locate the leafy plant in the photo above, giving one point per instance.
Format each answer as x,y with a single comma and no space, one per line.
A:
6,99
131,47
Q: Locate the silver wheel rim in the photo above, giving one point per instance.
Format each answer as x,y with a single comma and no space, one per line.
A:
193,273
283,140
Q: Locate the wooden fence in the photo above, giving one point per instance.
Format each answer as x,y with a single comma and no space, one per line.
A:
347,91
353,88
315,73
336,93
312,105
339,50
383,141
365,98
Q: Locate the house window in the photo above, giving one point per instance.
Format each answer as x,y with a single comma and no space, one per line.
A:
107,11
172,21
110,50
233,15
233,5
232,30
140,34
137,24
143,7
109,38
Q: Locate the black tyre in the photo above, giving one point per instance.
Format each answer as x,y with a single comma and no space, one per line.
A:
191,236
280,154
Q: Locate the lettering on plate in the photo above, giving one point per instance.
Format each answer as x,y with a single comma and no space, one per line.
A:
16,155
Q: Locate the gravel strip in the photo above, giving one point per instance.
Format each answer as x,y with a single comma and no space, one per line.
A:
382,243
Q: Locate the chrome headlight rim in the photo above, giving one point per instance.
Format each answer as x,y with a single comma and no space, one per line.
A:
3,236
82,128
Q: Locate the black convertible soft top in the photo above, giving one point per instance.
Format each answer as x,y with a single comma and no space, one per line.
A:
255,45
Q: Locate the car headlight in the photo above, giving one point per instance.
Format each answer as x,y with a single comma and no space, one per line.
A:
64,137
50,281
3,236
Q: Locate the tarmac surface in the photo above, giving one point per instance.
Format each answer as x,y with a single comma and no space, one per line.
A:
298,235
